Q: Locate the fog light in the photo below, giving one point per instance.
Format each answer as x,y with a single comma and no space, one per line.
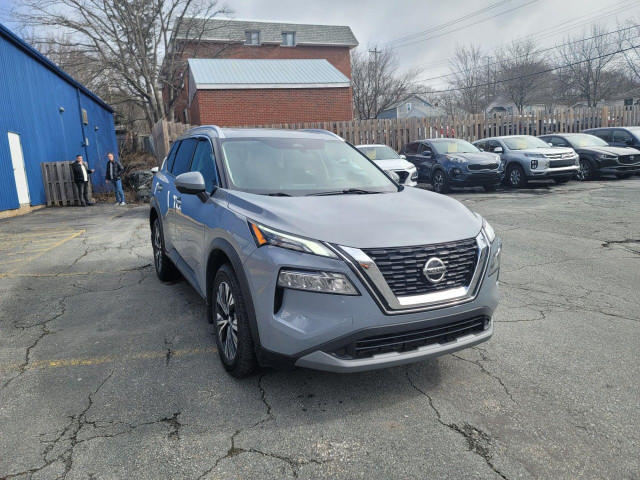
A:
322,282
456,171
534,163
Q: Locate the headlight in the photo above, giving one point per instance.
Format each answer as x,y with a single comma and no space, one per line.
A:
456,159
604,156
321,282
266,236
488,229
494,264
534,155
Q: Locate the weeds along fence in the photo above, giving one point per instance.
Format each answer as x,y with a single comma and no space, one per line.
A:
397,132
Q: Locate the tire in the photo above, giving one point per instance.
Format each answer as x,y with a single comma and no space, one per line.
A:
165,269
490,188
586,171
440,182
624,175
515,177
229,311
561,180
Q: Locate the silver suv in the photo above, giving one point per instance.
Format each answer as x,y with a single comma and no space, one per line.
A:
526,157
308,255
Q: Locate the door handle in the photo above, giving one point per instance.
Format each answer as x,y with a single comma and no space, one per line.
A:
178,202
159,187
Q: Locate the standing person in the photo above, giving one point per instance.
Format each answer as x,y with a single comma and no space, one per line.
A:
81,174
114,172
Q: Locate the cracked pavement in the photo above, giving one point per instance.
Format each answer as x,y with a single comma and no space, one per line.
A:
107,373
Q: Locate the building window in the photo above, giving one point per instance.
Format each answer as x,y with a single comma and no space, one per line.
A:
409,107
288,39
252,37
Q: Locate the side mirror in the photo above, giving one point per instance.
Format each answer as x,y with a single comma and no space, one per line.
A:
190,183
404,157
154,170
498,150
550,144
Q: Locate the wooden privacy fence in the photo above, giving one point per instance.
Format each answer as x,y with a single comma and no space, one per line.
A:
397,132
58,184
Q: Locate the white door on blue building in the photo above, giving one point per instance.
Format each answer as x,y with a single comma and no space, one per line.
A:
19,172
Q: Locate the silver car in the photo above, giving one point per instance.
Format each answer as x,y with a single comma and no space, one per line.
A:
526,157
308,255
401,170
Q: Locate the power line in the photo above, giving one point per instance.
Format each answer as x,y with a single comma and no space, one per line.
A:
548,70
445,62
444,25
536,52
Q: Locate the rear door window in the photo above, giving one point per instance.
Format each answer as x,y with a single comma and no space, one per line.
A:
182,162
603,134
425,149
558,142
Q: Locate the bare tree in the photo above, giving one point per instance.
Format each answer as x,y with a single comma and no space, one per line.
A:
378,83
132,41
629,43
469,78
582,66
520,73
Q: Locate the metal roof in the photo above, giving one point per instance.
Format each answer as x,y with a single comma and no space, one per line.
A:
231,73
29,50
230,30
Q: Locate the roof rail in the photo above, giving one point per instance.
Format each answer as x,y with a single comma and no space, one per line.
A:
215,128
320,130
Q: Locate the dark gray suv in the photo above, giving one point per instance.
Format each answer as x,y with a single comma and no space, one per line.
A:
307,254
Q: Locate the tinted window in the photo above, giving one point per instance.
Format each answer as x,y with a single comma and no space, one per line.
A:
183,156
603,134
491,145
425,149
621,136
172,156
204,162
411,149
480,145
557,142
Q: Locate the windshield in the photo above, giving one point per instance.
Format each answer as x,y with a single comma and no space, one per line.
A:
524,143
451,145
584,140
379,153
300,166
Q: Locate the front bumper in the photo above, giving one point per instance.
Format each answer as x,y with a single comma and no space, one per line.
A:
618,169
310,329
553,172
476,179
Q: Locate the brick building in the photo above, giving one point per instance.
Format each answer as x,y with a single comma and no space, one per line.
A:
287,89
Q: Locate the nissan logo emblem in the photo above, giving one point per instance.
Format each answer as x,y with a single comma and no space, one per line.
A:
434,270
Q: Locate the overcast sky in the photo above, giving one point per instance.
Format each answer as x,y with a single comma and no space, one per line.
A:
375,22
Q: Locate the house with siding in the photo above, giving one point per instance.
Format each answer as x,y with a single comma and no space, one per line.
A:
299,72
45,116
412,106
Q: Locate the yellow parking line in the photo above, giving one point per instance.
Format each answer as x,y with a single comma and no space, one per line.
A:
51,247
70,274
79,362
22,252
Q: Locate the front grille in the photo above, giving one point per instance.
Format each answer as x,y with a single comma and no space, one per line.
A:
629,159
413,339
561,163
483,166
402,267
558,156
403,174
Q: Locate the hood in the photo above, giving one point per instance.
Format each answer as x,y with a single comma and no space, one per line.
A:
393,164
409,217
478,158
545,151
605,149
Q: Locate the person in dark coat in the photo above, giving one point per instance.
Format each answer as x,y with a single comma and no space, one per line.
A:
114,173
81,174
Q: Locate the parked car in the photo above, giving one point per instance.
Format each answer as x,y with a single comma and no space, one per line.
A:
308,255
596,156
528,158
449,162
395,165
617,136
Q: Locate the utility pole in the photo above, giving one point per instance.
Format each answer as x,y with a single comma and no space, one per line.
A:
375,52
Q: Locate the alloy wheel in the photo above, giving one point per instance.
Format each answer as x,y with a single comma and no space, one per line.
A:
584,172
514,177
438,182
227,321
157,247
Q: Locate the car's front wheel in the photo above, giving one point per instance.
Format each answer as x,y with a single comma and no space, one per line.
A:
165,269
586,170
439,182
516,177
231,324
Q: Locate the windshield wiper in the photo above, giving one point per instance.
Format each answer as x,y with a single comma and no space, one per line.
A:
277,194
347,191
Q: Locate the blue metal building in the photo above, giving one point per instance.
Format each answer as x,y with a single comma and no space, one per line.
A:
45,116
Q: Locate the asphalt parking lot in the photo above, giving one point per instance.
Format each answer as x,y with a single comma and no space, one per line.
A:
107,373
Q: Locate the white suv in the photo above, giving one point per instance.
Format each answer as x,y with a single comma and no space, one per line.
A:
395,165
